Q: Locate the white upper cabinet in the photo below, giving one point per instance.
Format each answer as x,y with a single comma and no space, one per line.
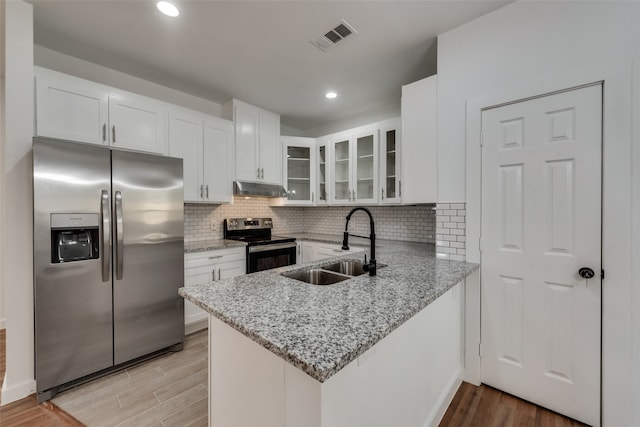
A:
72,108
419,141
217,159
299,170
137,123
390,162
355,167
258,148
270,147
185,142
204,144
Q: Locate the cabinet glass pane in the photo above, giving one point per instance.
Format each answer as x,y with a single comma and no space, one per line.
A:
390,163
322,168
364,149
299,173
341,170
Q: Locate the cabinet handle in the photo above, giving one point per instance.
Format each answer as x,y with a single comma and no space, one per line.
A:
258,173
104,132
113,133
213,275
201,192
207,191
382,193
313,199
216,257
400,189
262,174
219,276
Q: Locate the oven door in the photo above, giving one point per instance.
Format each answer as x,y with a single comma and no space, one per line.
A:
264,257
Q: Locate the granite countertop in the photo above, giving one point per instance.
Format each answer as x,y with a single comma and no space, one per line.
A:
321,329
211,245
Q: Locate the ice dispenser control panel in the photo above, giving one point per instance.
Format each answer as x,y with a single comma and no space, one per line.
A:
74,237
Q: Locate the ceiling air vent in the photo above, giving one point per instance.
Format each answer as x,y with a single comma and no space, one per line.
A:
334,36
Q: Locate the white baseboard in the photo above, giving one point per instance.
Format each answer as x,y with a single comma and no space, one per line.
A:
444,401
16,392
196,326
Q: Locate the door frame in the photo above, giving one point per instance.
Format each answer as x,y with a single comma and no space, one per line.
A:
616,236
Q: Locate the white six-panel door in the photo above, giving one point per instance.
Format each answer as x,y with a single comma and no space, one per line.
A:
541,223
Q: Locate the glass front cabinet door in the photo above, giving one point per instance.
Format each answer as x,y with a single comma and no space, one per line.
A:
322,172
355,166
390,173
299,170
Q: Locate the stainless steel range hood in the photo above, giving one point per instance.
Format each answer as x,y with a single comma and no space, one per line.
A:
258,189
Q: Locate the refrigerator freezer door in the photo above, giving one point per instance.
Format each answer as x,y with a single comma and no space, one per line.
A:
148,254
73,316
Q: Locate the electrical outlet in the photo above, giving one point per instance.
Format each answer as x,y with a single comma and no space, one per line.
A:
214,226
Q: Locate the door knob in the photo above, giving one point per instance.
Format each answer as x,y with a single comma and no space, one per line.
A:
586,273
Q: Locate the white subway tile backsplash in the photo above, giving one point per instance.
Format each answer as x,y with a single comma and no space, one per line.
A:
451,229
408,223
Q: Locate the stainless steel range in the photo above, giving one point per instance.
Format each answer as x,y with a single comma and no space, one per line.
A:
264,251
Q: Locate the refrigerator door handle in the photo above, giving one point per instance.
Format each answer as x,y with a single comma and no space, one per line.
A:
106,235
119,237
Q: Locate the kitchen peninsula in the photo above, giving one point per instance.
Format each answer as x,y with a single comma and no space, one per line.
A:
374,351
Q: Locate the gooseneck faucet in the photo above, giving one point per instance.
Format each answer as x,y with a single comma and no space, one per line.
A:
371,266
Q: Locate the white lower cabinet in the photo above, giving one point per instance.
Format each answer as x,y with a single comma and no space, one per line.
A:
316,251
209,266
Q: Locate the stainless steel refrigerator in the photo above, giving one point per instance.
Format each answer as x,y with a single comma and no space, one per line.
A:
108,260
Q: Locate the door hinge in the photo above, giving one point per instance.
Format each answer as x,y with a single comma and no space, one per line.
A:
602,274
480,349
480,244
481,139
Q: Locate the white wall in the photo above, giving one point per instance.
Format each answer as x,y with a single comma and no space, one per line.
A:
63,63
515,50
2,136
17,217
364,117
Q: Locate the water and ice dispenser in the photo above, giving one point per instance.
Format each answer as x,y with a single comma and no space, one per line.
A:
74,237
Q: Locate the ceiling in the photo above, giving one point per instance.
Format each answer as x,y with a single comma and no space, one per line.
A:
260,51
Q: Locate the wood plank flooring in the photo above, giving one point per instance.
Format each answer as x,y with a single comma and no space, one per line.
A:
171,391
485,406
27,412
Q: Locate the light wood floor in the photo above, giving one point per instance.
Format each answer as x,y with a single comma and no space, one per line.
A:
171,391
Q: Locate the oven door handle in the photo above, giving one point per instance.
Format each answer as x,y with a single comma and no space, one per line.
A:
271,247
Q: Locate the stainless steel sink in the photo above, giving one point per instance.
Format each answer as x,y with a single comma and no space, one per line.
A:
317,276
351,268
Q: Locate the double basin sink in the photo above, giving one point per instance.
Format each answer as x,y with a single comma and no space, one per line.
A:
328,274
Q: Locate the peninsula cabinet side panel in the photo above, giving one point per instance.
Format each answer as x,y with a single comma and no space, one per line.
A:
246,380
407,379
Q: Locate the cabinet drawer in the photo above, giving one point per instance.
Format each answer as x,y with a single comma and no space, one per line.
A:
201,259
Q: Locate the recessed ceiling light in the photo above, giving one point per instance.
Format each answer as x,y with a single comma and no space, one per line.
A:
331,95
168,9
